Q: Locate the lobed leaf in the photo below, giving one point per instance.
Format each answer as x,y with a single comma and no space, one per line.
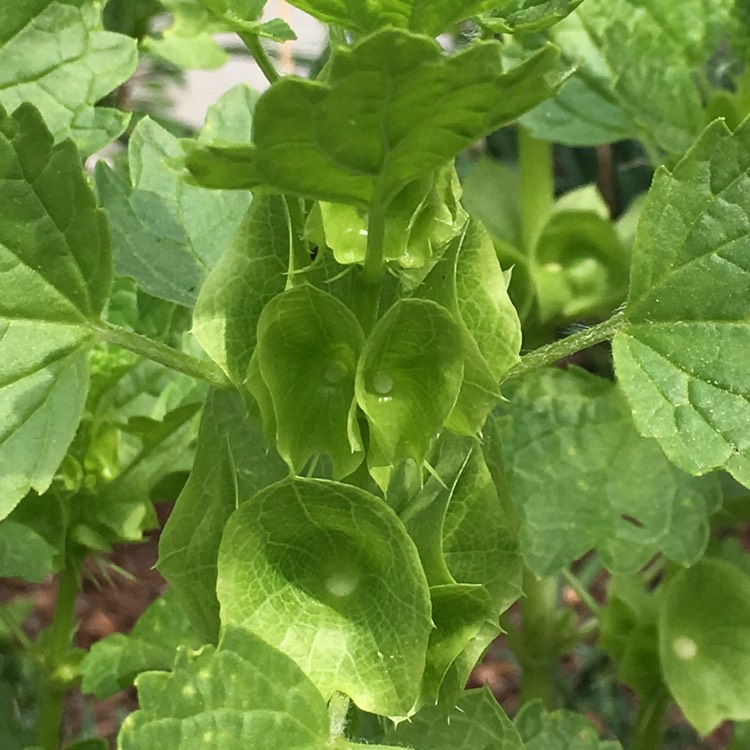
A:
680,356
519,16
326,573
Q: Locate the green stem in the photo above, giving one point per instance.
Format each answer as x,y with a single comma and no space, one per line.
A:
372,273
15,629
647,734
338,707
164,355
537,187
56,680
336,35
557,350
582,592
539,642
256,49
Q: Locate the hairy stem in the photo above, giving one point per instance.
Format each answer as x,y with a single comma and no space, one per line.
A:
164,355
256,49
56,681
557,350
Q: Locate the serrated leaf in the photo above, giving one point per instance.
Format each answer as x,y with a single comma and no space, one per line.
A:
326,573
24,553
232,462
249,274
583,478
166,235
113,663
704,634
625,49
519,16
371,129
476,722
562,730
309,344
46,211
55,55
680,356
408,380
242,16
242,694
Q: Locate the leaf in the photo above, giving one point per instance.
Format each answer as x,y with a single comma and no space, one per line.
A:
369,130
309,344
563,730
24,553
54,55
583,478
680,355
326,573
242,16
408,379
519,16
476,722
166,235
629,48
242,694
231,464
188,42
113,663
703,642
46,211
249,274
230,118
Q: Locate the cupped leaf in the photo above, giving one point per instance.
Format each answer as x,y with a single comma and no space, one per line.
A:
242,694
326,573
248,275
308,347
408,380
167,235
681,355
55,55
583,478
393,108
232,462
46,211
704,642
476,722
113,663
563,730
518,16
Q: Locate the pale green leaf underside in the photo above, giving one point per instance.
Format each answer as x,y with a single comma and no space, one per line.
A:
704,625
583,478
55,55
681,356
232,463
46,211
373,128
518,16
167,235
326,573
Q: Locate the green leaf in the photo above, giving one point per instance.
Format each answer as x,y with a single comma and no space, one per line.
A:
24,553
113,663
408,380
476,722
627,49
231,464
704,637
229,120
167,235
518,16
309,344
370,130
46,211
54,55
562,730
583,478
430,17
242,694
326,573
249,274
681,355
188,42
242,16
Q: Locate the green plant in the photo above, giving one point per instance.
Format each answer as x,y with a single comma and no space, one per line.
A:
379,474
